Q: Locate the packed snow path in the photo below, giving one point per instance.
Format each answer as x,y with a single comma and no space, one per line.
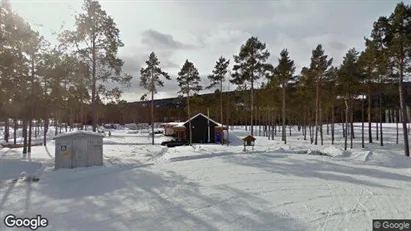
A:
209,188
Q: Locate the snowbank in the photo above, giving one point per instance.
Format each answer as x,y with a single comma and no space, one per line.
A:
385,159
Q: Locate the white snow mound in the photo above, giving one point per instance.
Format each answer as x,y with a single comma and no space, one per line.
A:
385,159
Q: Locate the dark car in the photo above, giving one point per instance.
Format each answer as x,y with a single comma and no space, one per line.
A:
175,143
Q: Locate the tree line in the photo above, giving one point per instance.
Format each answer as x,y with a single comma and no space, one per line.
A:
40,80
320,86
68,81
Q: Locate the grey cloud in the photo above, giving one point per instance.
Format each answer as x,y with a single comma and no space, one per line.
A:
234,11
222,26
133,64
166,59
336,45
155,39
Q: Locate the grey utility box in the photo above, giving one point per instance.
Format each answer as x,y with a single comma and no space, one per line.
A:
78,149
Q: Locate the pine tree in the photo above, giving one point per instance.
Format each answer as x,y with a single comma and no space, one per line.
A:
6,62
189,82
347,82
36,43
283,73
150,80
16,46
97,40
305,88
368,58
394,34
330,81
250,65
218,78
318,67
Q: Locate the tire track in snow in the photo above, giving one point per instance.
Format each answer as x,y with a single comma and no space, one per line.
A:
349,213
339,204
363,204
387,202
361,201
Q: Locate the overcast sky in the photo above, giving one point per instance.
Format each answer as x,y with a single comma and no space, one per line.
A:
202,31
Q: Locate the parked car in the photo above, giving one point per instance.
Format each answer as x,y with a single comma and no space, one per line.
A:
175,143
156,132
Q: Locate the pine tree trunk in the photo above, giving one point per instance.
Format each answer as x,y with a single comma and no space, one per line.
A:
56,123
221,109
376,126
94,84
317,102
346,123
396,126
6,130
310,128
409,118
45,129
283,130
82,117
246,119
327,116
362,123
252,107
352,120
332,122
24,116
343,122
352,125
305,124
31,122
66,123
72,119
269,124
228,117
321,124
15,127
309,125
189,117
369,119
393,116
258,119
403,109
35,129
381,131
272,126
24,136
152,116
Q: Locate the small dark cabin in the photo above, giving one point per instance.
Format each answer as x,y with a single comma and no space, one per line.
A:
199,125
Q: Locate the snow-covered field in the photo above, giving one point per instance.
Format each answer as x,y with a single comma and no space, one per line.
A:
213,187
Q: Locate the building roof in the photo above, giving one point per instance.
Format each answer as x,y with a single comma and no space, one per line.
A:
199,114
249,138
181,124
76,133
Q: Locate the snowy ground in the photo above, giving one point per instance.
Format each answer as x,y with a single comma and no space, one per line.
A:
213,187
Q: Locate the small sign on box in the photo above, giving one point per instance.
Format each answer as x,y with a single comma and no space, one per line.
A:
67,154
